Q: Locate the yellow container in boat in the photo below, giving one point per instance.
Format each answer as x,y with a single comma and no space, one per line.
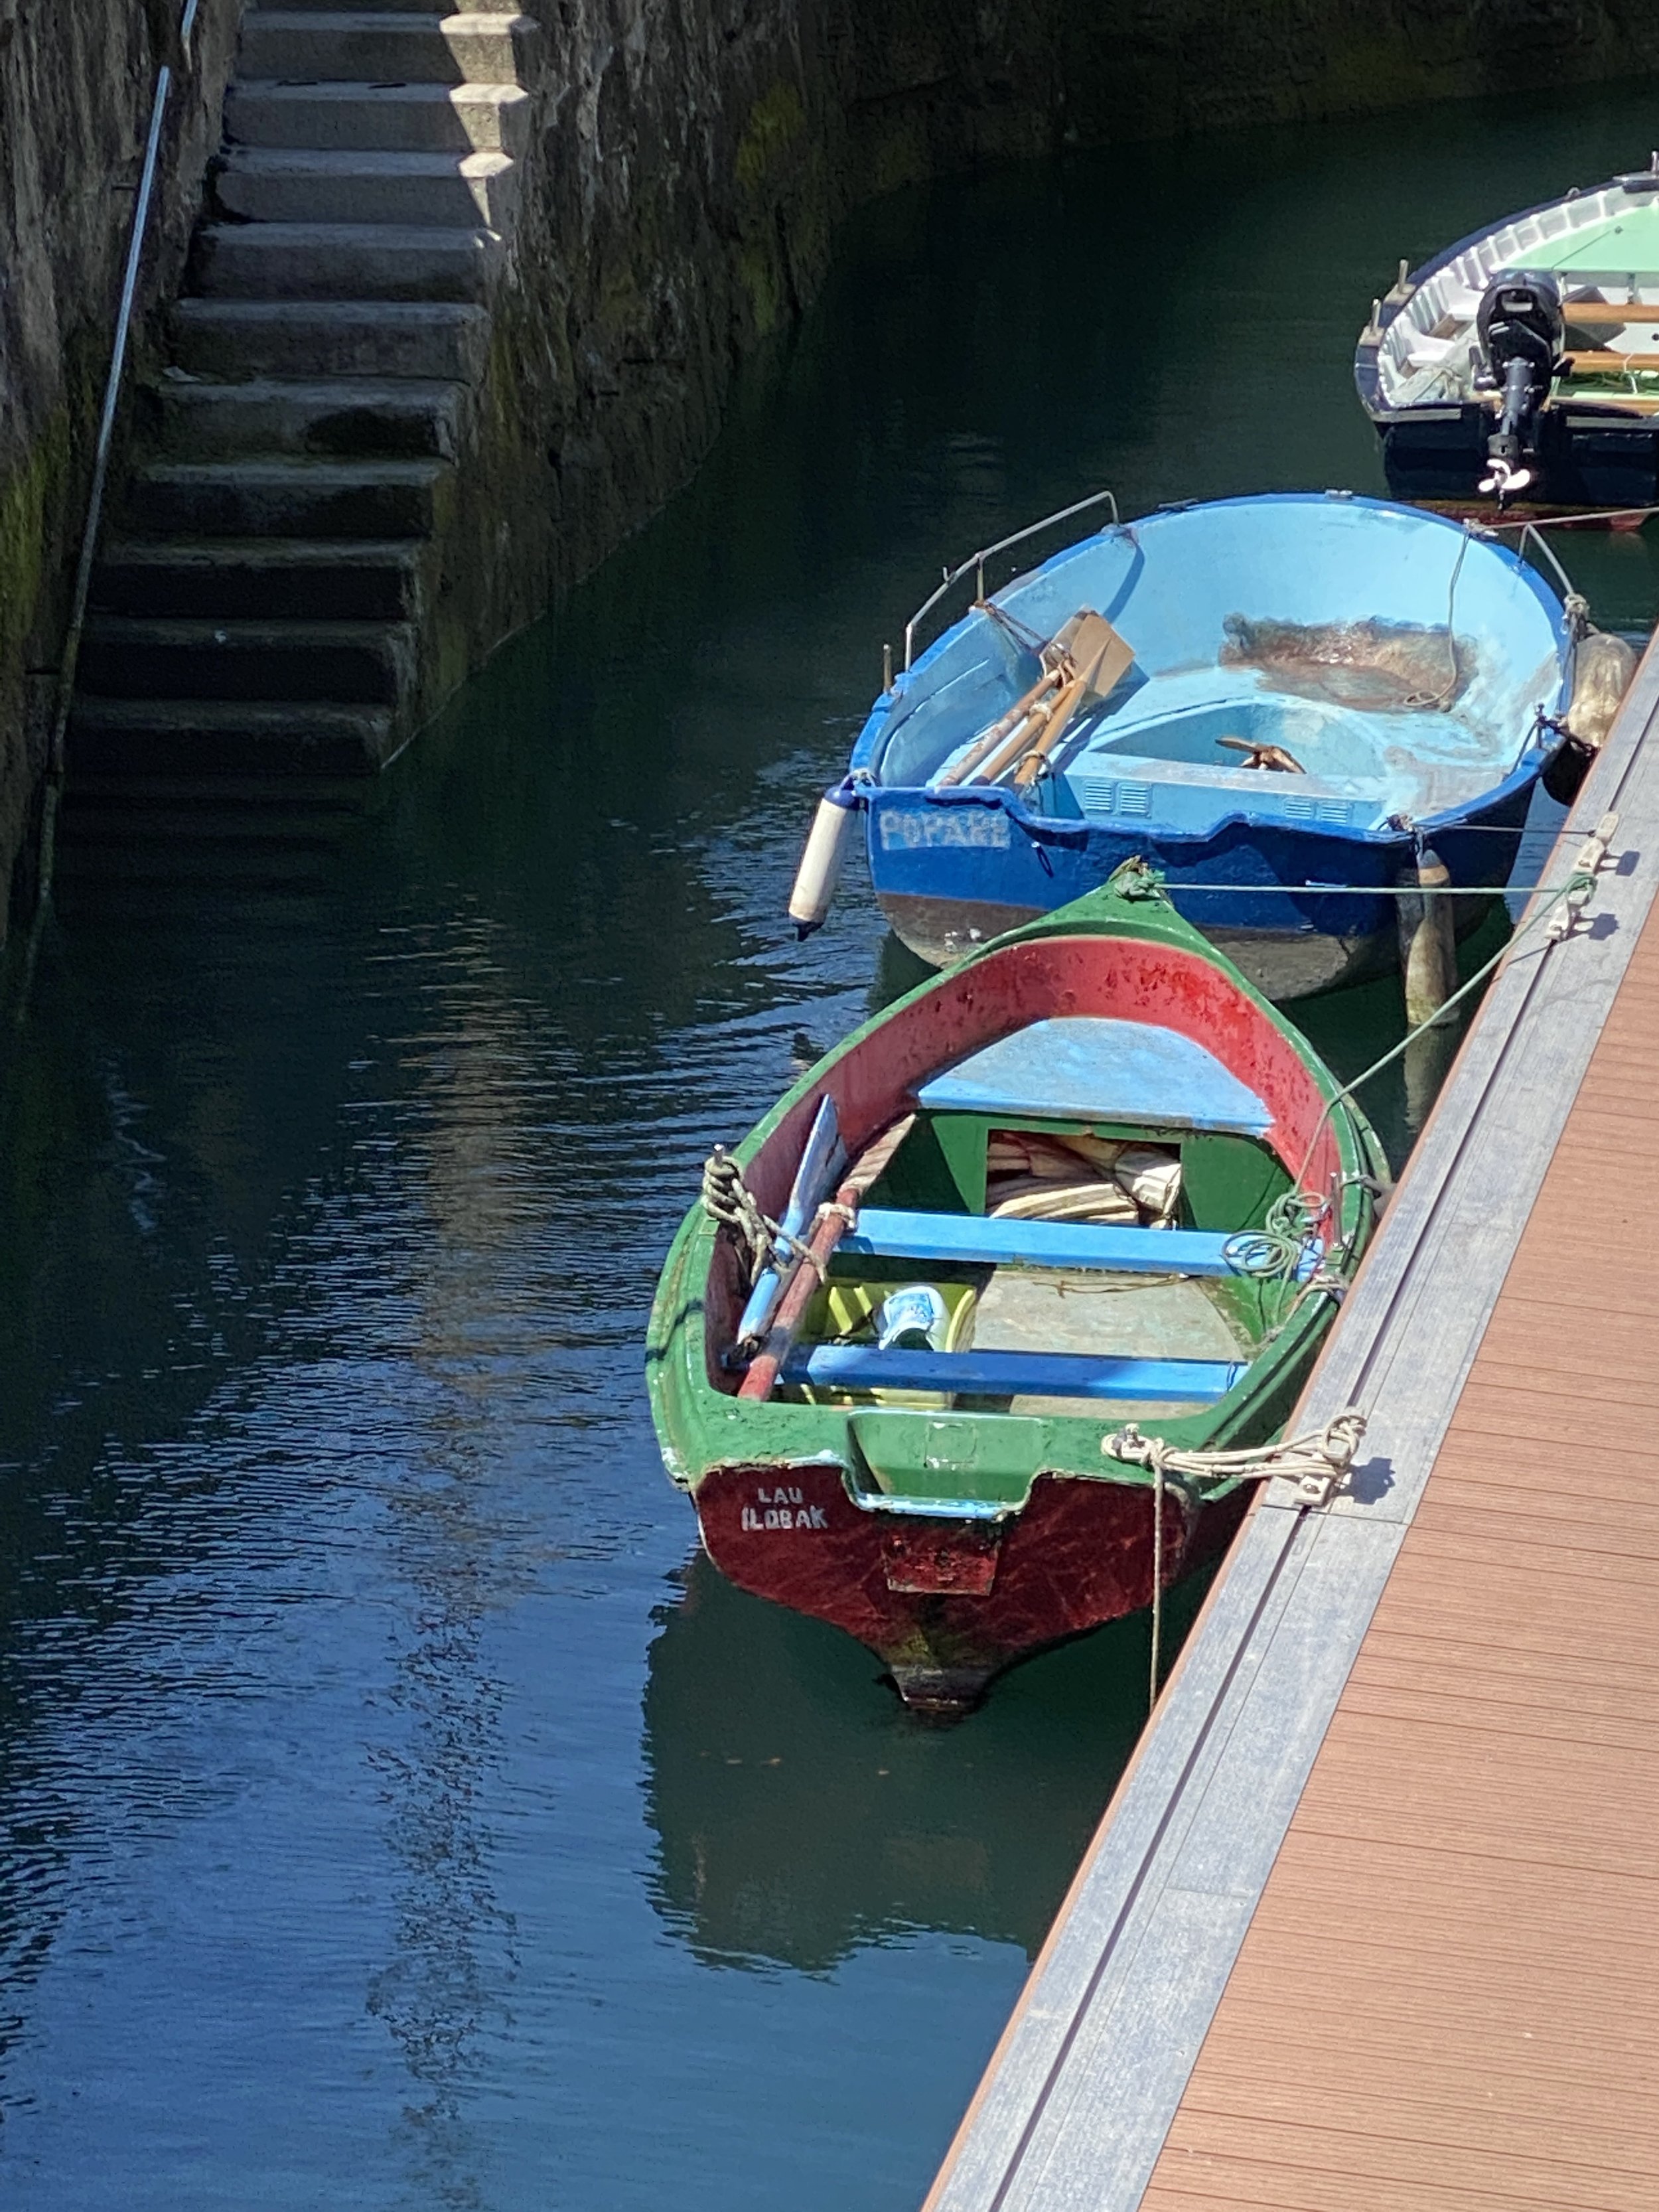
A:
844,1312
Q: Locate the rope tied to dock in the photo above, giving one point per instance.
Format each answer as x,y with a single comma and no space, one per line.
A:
1318,1461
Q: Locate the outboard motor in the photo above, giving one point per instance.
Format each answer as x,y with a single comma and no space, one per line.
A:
1523,333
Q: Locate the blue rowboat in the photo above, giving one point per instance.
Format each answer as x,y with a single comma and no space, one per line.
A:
1282,693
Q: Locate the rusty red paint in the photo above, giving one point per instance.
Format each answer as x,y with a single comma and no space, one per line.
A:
1079,1553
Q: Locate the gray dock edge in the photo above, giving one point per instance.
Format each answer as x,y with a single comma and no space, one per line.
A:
1081,2091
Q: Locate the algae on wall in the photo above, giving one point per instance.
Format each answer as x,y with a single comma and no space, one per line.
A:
690,165
687,167
76,78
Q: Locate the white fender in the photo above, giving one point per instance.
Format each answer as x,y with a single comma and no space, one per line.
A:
820,863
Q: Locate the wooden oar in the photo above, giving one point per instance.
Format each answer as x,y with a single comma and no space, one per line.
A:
833,1222
1057,668
820,1164
959,771
991,769
1101,656
1097,656
1028,763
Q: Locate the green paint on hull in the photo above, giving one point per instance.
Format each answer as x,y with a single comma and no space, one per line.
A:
1230,1183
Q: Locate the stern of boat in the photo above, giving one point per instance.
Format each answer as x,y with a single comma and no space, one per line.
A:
948,1591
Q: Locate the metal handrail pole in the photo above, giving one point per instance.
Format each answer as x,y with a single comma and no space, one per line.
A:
113,383
978,560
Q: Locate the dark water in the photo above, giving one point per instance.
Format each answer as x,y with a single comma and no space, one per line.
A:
389,1814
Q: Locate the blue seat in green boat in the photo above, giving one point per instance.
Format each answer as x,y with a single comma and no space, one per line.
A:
977,1240
1088,1067
1009,1374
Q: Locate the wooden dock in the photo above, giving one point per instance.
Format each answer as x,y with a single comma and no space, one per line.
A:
1372,1924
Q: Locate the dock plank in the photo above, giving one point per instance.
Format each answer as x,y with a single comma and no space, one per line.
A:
1373,1920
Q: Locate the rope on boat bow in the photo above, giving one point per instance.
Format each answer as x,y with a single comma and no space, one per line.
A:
1277,1247
729,1202
1318,1462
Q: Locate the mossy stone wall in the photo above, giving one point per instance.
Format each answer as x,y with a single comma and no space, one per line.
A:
76,79
690,167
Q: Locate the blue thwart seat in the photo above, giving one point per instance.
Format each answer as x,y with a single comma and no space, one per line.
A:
976,1240
1008,1374
1087,1067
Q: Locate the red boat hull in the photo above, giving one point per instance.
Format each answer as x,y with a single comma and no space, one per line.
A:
947,1604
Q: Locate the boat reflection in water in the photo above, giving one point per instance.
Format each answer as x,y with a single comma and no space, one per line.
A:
802,1812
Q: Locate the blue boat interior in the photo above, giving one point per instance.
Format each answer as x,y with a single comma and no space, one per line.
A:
1122,1267
1398,662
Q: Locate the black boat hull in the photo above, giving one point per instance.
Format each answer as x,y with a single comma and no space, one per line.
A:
1588,458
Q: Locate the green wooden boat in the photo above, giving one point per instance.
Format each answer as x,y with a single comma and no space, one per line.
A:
1088,1187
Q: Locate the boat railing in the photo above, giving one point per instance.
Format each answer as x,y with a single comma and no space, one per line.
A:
974,564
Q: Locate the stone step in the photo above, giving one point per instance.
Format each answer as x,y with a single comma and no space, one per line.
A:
340,261
401,8
275,184
382,44
286,498
133,827
324,338
144,657
271,579
229,737
414,119
348,418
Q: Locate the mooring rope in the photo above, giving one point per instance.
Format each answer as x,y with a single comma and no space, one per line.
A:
1574,893
1317,1462
1174,884
728,1201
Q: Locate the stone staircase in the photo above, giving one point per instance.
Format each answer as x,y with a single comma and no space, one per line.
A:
262,596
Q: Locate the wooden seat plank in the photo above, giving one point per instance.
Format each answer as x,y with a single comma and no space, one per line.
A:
1609,360
1593,314
1008,1374
976,1240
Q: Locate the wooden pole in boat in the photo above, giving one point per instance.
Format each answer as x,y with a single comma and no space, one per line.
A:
833,1222
1099,657
959,771
1029,765
1058,669
1428,944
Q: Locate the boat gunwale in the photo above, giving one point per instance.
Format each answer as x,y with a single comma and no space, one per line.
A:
1368,351
894,707
781,1434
